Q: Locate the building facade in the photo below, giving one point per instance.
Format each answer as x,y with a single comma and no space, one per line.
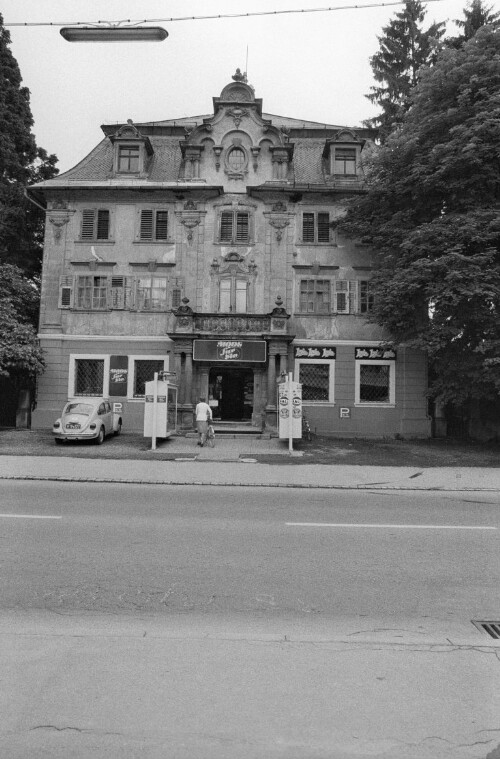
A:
207,246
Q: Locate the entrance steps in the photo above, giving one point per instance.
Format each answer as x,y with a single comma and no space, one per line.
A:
237,429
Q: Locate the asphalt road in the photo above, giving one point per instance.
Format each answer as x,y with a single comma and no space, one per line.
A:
195,622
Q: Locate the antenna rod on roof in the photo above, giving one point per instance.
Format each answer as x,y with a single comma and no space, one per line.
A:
246,65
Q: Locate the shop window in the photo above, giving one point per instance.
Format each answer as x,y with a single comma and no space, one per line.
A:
344,162
95,224
317,379
88,377
144,371
233,295
153,225
234,227
375,383
315,227
128,159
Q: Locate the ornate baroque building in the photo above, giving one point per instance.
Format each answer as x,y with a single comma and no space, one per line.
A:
207,246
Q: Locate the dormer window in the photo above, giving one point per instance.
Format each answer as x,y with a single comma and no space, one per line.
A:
131,150
128,159
344,162
342,156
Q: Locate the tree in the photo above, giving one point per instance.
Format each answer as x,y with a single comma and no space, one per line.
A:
476,15
432,213
21,163
21,357
404,48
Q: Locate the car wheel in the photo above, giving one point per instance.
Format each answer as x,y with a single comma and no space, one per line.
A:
119,428
101,436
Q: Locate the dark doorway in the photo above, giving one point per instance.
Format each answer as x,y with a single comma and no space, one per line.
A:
232,389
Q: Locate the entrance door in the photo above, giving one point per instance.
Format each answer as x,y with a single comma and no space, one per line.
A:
232,388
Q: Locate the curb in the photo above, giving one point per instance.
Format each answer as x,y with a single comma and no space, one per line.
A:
96,480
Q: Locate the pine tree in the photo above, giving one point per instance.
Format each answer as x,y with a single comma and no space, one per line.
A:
476,15
404,48
21,163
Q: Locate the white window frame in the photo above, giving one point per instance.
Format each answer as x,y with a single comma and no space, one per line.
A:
331,379
72,372
392,384
131,372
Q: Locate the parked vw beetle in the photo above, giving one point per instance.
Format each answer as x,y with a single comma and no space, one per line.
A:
87,419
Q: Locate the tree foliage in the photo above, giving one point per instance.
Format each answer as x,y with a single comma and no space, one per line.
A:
21,357
432,213
476,15
22,162
404,48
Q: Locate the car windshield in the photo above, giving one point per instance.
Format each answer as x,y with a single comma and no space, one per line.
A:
79,408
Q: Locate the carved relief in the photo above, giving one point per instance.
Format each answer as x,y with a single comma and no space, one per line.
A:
59,216
237,114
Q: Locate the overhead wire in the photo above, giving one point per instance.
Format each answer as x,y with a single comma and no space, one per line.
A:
205,18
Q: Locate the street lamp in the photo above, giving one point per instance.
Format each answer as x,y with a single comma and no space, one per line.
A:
114,33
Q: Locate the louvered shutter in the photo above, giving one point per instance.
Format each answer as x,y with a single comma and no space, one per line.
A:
341,296
177,288
161,225
226,226
66,292
88,216
102,224
308,227
242,227
353,297
146,232
323,227
120,293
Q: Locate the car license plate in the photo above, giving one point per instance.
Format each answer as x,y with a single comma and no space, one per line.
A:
73,426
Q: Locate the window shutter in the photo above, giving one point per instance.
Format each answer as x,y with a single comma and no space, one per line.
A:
353,297
118,292
146,232
177,288
308,227
66,292
226,226
88,216
323,227
161,225
341,296
102,224
242,227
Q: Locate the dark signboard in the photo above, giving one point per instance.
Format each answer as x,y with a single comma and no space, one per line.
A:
315,351
229,350
375,354
118,374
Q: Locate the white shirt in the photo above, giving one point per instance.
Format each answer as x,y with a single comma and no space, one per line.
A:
203,412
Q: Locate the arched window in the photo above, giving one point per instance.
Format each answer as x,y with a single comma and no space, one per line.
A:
236,159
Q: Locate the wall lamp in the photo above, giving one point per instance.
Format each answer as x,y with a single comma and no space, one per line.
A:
114,33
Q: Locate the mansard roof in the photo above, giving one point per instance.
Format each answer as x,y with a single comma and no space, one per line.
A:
306,140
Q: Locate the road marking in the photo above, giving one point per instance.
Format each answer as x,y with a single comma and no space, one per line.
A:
27,516
395,526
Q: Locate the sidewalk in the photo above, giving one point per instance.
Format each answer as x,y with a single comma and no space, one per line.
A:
232,471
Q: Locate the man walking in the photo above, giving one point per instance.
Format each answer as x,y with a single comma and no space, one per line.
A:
203,417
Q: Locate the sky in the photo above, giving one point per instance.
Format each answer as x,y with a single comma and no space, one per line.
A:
312,66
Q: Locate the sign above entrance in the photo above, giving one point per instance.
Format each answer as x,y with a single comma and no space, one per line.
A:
229,350
374,354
